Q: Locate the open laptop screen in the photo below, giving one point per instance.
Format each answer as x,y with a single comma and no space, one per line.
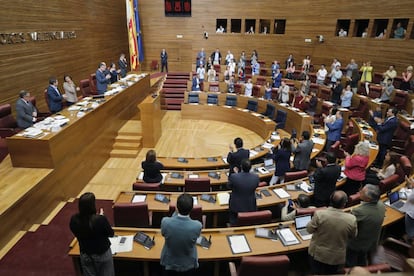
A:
394,196
302,221
268,162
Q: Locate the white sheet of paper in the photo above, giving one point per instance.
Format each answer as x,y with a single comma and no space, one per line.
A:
239,244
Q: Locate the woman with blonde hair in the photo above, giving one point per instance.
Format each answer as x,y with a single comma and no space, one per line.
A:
407,78
355,166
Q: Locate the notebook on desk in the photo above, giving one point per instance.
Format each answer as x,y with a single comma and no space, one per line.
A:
394,201
268,165
300,225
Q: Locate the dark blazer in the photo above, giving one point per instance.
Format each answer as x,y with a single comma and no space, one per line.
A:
123,65
370,216
55,99
302,155
243,197
179,252
152,172
325,183
212,56
24,113
234,158
282,161
385,131
164,58
101,81
194,84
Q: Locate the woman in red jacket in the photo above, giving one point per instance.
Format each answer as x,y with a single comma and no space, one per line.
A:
355,166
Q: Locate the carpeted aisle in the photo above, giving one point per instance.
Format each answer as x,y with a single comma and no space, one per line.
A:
44,252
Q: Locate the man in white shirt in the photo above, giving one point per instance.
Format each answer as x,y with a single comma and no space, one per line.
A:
321,75
342,33
201,72
248,88
284,93
229,57
220,30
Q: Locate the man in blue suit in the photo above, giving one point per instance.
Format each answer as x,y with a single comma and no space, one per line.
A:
334,130
243,186
102,77
54,96
385,131
179,254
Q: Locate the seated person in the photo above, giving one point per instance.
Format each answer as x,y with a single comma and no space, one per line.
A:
220,30
342,33
387,90
152,168
230,85
408,208
399,31
288,211
375,175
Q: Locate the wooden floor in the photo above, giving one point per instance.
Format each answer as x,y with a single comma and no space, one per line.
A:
180,137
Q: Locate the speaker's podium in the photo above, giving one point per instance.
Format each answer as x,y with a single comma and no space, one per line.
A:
150,111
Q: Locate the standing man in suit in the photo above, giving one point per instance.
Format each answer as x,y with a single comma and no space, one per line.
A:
164,60
216,57
243,191
102,78
334,130
195,83
385,131
331,229
302,152
26,113
370,216
123,65
179,253
325,180
234,158
54,96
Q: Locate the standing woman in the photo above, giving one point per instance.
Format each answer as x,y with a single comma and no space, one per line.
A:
268,91
366,76
407,77
355,166
282,160
152,168
70,90
290,70
93,232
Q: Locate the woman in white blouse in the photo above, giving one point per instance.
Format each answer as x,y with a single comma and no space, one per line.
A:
70,90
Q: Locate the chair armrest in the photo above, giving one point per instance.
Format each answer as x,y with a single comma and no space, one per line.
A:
232,268
7,131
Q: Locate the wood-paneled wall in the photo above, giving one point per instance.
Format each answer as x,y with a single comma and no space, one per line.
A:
101,32
102,36
304,19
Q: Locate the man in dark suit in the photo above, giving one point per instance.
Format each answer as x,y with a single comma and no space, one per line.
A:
54,96
243,186
195,83
179,253
102,78
370,216
164,60
385,131
325,180
26,113
123,65
234,158
302,152
216,57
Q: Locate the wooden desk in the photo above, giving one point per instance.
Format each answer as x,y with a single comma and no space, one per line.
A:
150,109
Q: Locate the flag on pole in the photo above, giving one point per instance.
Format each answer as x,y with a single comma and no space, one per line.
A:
132,35
138,28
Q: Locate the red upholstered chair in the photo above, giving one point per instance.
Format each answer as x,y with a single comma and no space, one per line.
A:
85,88
393,252
217,68
399,100
362,110
349,143
290,176
8,124
336,148
260,81
248,70
389,183
238,88
308,211
314,87
326,107
404,168
214,87
154,65
92,84
261,265
407,149
132,215
401,134
142,186
197,185
354,199
253,218
375,91
40,115
256,91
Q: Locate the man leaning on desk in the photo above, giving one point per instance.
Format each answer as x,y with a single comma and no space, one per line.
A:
26,113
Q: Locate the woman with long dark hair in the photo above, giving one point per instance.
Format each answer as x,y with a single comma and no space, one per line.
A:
152,168
93,231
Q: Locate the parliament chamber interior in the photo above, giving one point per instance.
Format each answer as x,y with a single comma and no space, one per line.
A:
189,106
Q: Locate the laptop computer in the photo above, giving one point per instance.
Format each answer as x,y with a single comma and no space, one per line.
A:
300,224
269,165
395,201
